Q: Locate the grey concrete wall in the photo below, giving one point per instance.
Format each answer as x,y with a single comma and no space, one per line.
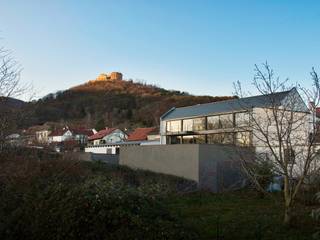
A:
82,156
220,166
107,158
179,160
214,167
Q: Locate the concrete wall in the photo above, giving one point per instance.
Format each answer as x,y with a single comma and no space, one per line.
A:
220,166
82,156
178,160
213,167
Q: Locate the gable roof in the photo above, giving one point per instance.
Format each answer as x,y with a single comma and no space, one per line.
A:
140,134
102,133
233,105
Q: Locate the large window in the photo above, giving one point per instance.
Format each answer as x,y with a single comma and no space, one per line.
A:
188,125
194,124
227,138
242,119
194,139
174,126
221,121
226,121
243,138
174,139
213,122
214,138
224,138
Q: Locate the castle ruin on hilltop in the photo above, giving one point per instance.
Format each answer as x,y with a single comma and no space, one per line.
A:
113,76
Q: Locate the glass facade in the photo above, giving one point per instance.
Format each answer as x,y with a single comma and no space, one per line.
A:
224,138
187,125
243,138
174,126
213,122
194,124
227,138
174,139
220,121
199,139
217,123
214,138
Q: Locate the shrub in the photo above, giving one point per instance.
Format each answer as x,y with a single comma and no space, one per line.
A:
73,204
316,216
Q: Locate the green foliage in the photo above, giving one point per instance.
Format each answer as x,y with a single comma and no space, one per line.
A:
240,215
264,173
316,216
67,200
100,124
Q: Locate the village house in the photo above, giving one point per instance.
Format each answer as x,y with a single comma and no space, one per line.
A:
107,135
111,140
145,136
82,135
60,135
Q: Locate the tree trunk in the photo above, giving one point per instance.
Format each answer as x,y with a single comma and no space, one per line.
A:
287,202
287,215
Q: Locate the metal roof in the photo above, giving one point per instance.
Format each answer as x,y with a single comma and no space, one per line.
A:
228,105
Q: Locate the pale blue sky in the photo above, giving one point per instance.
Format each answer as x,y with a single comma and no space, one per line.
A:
195,46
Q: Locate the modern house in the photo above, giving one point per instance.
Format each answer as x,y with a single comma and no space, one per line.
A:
230,122
107,135
206,142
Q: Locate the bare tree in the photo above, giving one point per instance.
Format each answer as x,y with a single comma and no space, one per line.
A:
10,87
284,132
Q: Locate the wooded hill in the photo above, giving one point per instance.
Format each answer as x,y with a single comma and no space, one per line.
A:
121,103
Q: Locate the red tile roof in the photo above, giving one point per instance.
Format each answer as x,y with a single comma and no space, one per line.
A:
140,134
102,133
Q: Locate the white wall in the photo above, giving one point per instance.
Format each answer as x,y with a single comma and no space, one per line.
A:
101,149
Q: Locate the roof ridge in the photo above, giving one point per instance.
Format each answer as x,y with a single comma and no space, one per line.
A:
236,99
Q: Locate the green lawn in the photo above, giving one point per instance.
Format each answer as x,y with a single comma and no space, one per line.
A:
239,215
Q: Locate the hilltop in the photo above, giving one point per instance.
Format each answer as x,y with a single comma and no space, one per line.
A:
110,101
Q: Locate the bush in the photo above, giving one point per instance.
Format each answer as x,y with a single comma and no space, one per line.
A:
74,204
316,216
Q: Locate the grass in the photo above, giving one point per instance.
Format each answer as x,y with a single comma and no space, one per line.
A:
239,215
234,215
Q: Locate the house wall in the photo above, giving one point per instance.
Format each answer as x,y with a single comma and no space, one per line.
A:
162,132
66,136
42,136
213,167
178,160
300,129
102,149
115,136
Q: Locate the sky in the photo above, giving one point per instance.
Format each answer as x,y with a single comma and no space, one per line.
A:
198,46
